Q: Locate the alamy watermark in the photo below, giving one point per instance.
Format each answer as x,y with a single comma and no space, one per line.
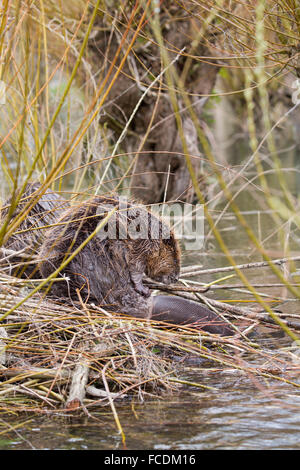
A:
296,93
295,350
2,92
135,221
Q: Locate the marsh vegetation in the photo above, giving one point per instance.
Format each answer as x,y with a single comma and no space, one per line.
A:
166,102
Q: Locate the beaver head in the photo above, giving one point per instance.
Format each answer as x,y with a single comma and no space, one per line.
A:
163,264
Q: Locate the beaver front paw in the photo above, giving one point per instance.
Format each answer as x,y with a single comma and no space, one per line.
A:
137,281
143,290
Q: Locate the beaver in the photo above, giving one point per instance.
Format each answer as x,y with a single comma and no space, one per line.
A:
128,242
110,267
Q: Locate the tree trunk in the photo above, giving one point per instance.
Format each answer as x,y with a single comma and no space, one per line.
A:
161,159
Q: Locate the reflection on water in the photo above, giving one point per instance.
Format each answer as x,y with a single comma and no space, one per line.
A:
237,416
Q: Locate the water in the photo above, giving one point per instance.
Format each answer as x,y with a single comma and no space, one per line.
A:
236,416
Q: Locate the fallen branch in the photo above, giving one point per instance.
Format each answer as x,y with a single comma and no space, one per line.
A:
166,288
189,272
19,373
81,373
97,392
79,382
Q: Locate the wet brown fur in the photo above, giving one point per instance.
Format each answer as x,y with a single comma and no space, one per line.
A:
106,270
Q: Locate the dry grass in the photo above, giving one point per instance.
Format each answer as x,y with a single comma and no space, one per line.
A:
81,356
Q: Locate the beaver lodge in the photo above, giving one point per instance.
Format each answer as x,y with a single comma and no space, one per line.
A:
55,356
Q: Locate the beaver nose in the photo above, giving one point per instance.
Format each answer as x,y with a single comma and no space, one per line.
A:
174,277
165,280
169,279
